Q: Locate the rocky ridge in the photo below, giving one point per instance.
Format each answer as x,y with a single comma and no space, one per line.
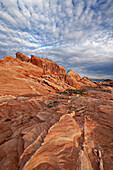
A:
48,122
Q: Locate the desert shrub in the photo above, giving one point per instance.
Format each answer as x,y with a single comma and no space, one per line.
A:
62,92
21,123
31,117
52,104
75,91
55,102
7,120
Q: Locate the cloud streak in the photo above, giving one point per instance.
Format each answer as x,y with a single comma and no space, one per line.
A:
77,34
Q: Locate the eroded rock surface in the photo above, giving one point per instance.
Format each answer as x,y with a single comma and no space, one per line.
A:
48,66
42,129
22,57
61,138
73,79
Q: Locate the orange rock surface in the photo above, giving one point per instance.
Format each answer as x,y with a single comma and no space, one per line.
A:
48,66
87,82
62,137
42,129
22,57
73,75
73,79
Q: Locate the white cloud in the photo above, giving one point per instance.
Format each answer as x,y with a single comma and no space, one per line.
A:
78,32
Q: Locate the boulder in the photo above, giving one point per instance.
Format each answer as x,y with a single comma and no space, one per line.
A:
72,79
73,75
73,82
87,81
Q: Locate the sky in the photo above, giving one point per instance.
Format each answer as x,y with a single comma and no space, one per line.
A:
77,34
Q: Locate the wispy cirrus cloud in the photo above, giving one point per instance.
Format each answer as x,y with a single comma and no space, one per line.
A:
77,34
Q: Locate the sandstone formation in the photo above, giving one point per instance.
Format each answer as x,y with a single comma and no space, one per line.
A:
17,77
42,129
52,69
22,57
35,77
64,133
73,75
87,82
73,79
48,66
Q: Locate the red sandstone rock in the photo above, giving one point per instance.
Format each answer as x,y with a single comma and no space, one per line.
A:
22,57
51,152
48,66
51,130
8,150
72,79
18,78
86,81
57,81
73,75
73,82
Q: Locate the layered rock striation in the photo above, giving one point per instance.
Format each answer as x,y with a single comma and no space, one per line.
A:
51,68
42,129
48,66
22,75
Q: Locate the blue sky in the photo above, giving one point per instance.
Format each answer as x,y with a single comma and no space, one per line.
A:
75,33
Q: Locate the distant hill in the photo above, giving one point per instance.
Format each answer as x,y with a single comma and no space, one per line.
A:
97,79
